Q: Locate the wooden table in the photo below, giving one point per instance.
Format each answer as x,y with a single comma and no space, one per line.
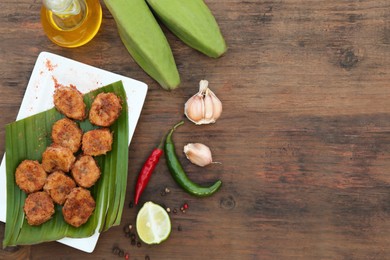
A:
304,138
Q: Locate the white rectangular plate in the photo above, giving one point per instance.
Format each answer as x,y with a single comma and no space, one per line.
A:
49,69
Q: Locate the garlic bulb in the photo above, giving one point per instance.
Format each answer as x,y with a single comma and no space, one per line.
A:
204,107
198,154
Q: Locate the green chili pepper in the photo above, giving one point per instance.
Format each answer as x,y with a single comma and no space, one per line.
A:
178,173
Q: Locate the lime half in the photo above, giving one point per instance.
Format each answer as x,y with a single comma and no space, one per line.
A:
153,223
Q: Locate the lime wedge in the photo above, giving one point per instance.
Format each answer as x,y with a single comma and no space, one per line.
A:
153,223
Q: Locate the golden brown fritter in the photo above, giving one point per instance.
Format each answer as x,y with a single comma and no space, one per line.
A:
67,133
58,185
38,207
97,142
85,171
78,207
57,158
30,176
105,109
69,101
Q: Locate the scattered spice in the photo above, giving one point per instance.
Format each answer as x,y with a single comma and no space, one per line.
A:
133,242
174,210
139,244
147,257
131,205
168,210
179,228
127,256
49,65
126,229
165,192
116,250
184,207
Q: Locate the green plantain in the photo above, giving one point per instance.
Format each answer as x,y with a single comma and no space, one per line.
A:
193,23
145,41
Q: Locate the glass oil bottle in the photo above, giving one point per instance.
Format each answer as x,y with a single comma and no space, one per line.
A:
71,23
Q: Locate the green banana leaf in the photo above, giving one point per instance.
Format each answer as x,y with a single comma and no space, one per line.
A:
28,138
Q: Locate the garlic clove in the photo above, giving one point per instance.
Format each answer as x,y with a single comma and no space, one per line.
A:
203,107
217,106
209,107
198,154
213,107
194,108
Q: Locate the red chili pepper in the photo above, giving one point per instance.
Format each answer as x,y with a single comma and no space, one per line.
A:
147,170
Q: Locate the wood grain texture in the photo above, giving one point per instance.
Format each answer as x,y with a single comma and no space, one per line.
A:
304,137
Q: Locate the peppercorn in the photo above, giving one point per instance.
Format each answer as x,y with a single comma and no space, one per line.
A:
139,244
115,250
131,205
126,229
147,257
121,253
179,228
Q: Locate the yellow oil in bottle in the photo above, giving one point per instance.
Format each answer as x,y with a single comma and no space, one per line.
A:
72,30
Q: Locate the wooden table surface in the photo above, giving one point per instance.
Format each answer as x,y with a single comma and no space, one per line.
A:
304,138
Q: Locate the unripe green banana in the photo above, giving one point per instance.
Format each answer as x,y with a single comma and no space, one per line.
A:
193,22
145,41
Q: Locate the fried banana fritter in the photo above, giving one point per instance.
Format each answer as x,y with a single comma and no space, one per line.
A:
105,109
97,142
57,158
67,133
38,207
78,207
69,101
30,176
85,171
58,185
